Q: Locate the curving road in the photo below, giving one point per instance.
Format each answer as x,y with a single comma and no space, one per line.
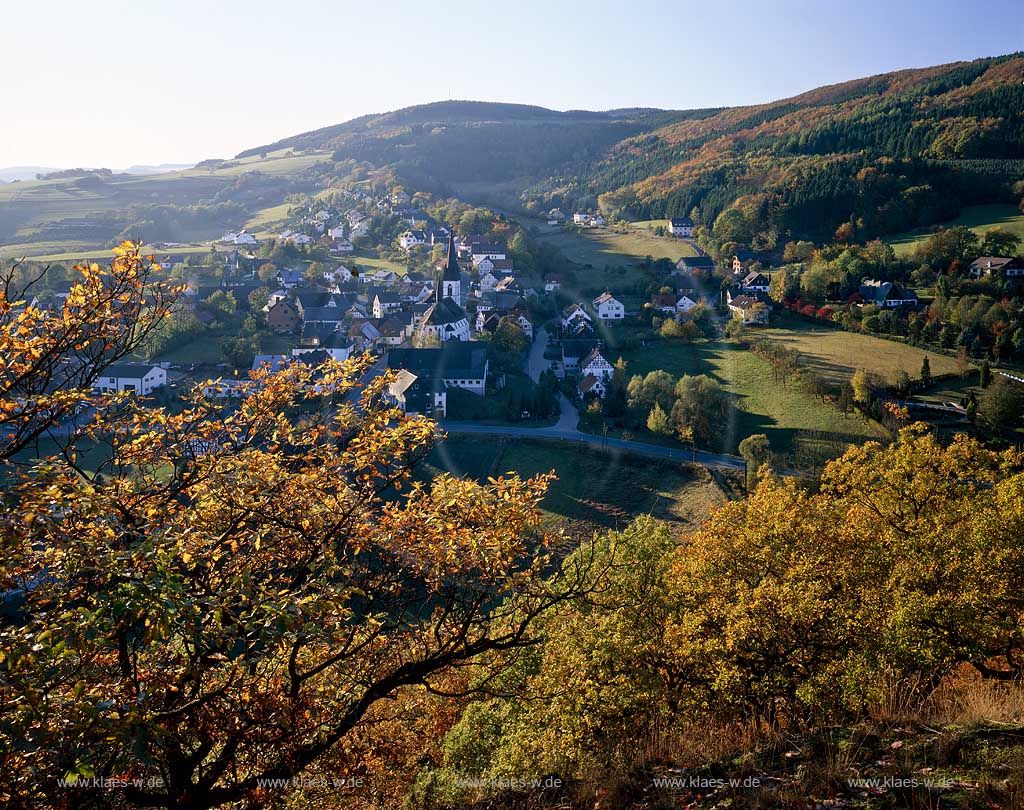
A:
609,443
566,428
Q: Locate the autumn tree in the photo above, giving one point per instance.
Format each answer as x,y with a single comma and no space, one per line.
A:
703,405
756,451
861,386
226,595
657,421
1000,405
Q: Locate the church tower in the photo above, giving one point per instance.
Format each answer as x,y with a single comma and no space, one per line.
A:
451,278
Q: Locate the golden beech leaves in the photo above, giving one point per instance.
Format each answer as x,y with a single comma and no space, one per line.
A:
230,591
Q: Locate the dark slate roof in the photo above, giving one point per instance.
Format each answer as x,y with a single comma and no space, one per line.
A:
455,360
579,347
130,370
327,314
443,312
313,298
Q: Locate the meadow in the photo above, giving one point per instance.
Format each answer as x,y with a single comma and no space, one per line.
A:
594,490
836,354
29,209
797,424
599,247
978,218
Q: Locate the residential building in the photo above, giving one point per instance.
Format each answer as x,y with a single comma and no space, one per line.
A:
458,365
609,308
573,314
694,264
887,294
595,364
986,265
681,226
283,317
418,394
749,309
141,378
755,282
592,386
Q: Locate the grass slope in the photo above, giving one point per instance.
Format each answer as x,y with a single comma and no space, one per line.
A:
796,423
837,354
599,246
979,218
594,490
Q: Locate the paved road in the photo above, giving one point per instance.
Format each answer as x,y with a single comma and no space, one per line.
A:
556,432
536,364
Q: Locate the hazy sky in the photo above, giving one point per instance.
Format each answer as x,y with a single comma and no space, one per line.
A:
114,83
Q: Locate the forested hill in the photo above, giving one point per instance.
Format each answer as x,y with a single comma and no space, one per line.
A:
890,151
885,153
431,145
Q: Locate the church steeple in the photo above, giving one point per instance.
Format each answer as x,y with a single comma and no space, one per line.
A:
451,278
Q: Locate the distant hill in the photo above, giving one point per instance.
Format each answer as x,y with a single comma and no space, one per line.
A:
161,168
890,152
24,172
433,146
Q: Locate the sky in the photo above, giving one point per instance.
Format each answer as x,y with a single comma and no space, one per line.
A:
114,83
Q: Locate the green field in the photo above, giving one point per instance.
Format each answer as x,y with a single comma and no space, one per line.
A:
259,224
837,354
599,246
797,424
373,262
595,490
978,218
29,210
99,255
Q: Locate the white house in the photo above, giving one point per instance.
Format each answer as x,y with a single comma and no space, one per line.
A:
417,394
411,239
243,237
609,308
488,282
748,309
681,226
595,364
483,251
592,385
597,221
142,378
685,304
573,314
756,282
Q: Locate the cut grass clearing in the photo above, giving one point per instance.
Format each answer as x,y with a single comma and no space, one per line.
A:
599,246
836,354
978,218
595,491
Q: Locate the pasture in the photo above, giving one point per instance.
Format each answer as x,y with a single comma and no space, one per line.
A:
836,354
600,247
978,218
797,424
594,490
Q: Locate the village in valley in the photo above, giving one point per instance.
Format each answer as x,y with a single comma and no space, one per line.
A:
491,324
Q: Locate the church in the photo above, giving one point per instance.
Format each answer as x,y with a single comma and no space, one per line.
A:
446,319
